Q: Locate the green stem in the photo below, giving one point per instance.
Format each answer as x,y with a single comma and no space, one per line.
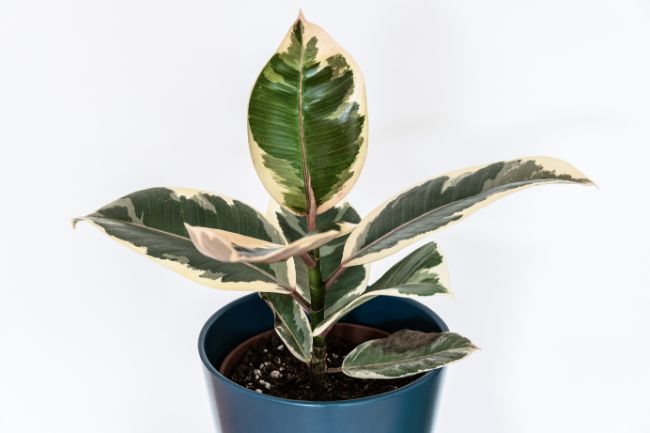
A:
318,363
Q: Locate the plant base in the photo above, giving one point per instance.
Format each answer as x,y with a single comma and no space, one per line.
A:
409,409
263,364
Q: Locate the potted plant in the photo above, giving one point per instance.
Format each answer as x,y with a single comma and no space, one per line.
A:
345,355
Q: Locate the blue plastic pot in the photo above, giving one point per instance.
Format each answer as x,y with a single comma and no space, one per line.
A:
410,409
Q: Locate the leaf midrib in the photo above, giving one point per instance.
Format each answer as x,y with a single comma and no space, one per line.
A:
427,213
174,235
415,359
310,200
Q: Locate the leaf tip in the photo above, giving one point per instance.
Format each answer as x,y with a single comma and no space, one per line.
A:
193,234
75,221
589,182
301,16
346,227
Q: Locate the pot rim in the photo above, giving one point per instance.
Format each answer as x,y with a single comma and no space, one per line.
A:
311,403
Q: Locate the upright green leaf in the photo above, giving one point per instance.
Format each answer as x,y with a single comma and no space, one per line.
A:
446,199
405,353
307,121
421,273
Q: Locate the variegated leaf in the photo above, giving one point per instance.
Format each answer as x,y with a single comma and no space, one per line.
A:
307,121
352,282
227,246
152,221
446,199
291,324
405,353
302,272
421,273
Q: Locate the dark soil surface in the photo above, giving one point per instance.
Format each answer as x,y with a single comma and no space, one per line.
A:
269,368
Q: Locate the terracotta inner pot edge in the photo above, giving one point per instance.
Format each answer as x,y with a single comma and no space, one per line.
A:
350,332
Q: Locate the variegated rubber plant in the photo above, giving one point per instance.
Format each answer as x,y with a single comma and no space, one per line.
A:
309,256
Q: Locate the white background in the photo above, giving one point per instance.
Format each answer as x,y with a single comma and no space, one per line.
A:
101,98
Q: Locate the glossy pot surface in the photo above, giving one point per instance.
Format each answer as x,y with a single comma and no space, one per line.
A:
410,409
